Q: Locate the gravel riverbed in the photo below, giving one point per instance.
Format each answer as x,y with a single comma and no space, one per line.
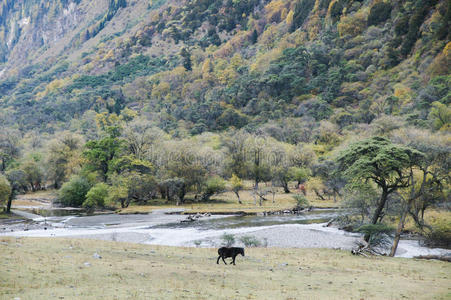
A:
146,229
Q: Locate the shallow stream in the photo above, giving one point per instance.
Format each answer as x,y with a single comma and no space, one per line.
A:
306,230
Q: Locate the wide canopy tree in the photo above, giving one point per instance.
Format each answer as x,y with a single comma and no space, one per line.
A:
378,160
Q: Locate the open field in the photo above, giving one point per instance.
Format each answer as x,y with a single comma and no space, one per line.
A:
36,199
227,202
66,269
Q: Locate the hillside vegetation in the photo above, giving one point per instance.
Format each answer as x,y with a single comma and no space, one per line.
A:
209,65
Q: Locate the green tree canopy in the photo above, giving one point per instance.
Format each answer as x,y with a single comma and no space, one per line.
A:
73,192
96,196
5,189
100,153
378,160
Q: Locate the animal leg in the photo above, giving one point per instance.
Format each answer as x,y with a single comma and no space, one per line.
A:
234,260
217,262
223,260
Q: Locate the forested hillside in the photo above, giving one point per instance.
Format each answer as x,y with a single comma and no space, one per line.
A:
196,66
137,99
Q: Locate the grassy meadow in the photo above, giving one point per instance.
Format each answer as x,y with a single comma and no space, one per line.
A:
42,268
227,202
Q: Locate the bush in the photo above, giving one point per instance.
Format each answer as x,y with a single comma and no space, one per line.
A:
440,235
301,201
228,240
96,196
213,186
380,235
250,241
5,189
73,193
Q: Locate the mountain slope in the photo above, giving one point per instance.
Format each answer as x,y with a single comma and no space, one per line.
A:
206,65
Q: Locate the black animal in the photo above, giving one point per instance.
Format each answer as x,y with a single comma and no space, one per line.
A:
232,252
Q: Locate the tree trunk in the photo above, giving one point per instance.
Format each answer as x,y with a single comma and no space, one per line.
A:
168,196
378,211
399,231
8,206
182,195
238,196
422,214
380,207
163,193
285,187
206,196
318,194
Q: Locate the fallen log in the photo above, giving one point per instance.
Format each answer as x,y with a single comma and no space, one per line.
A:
438,257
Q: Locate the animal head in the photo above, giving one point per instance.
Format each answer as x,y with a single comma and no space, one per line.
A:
242,251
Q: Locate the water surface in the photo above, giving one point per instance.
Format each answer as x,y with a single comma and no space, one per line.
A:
306,230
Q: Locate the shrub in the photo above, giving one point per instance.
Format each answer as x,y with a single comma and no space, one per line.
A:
250,241
440,235
213,186
228,239
73,192
380,235
441,116
96,196
5,189
301,201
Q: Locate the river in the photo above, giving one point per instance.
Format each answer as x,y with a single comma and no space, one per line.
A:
306,230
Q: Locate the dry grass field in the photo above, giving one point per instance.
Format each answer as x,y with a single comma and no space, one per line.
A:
36,199
227,202
43,268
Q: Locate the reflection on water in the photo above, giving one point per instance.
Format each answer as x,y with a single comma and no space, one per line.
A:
56,212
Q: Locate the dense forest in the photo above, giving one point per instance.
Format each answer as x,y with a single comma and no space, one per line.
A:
116,102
